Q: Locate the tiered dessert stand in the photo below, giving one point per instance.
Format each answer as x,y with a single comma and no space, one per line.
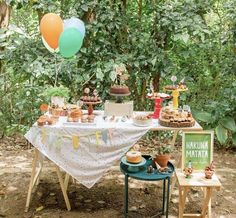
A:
119,97
90,106
157,105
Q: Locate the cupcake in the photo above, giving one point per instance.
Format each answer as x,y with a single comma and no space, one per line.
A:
41,121
84,119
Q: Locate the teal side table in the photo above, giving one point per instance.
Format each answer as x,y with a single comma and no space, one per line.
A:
143,175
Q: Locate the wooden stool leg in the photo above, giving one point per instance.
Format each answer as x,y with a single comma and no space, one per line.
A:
206,201
32,179
181,209
209,204
63,188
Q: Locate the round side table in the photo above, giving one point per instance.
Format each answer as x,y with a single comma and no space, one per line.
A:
143,175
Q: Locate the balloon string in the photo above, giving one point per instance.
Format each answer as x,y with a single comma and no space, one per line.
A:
56,69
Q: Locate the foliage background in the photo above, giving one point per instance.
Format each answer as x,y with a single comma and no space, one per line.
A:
192,39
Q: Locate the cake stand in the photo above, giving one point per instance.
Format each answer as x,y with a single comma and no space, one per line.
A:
175,95
157,105
119,97
90,106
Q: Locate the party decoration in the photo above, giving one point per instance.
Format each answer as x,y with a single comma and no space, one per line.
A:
48,47
75,23
70,42
51,27
75,140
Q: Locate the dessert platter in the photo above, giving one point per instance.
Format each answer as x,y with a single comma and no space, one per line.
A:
76,117
176,118
90,100
181,86
142,120
155,95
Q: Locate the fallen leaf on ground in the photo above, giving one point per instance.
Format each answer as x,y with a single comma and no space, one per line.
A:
40,208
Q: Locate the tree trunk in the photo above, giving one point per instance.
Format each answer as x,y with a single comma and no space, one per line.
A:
4,14
5,11
140,9
156,82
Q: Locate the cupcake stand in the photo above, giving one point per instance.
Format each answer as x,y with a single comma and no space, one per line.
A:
90,106
157,105
119,97
175,95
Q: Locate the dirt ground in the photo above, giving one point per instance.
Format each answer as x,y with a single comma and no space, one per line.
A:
103,200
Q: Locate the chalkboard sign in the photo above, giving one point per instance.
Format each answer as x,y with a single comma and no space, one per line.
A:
197,147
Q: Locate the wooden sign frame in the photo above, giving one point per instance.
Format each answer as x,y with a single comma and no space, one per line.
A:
200,149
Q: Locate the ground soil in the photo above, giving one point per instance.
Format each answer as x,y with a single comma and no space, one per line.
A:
105,199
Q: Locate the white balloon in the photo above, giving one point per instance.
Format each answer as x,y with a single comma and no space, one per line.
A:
76,23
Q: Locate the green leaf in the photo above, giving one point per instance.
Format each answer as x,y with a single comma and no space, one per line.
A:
221,133
154,60
228,123
113,75
203,116
99,74
84,7
234,138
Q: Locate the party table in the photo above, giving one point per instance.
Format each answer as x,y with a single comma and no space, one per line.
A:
86,151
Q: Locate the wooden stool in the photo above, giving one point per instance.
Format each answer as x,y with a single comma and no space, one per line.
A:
197,180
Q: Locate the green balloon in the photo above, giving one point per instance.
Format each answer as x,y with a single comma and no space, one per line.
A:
70,42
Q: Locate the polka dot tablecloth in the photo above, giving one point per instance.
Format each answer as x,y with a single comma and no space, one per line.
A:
86,151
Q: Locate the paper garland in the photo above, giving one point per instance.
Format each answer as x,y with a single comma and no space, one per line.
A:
75,138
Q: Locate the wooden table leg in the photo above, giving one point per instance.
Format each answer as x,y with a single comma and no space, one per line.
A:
126,200
174,138
174,179
66,181
206,201
63,188
33,179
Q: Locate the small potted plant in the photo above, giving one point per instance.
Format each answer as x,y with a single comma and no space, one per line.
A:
209,170
162,155
57,95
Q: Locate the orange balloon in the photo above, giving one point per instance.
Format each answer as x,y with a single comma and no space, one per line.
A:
51,27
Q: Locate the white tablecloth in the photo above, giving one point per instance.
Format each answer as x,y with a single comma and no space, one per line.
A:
86,152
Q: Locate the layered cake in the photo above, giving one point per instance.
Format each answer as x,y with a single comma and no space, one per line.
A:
120,90
176,118
133,157
121,75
